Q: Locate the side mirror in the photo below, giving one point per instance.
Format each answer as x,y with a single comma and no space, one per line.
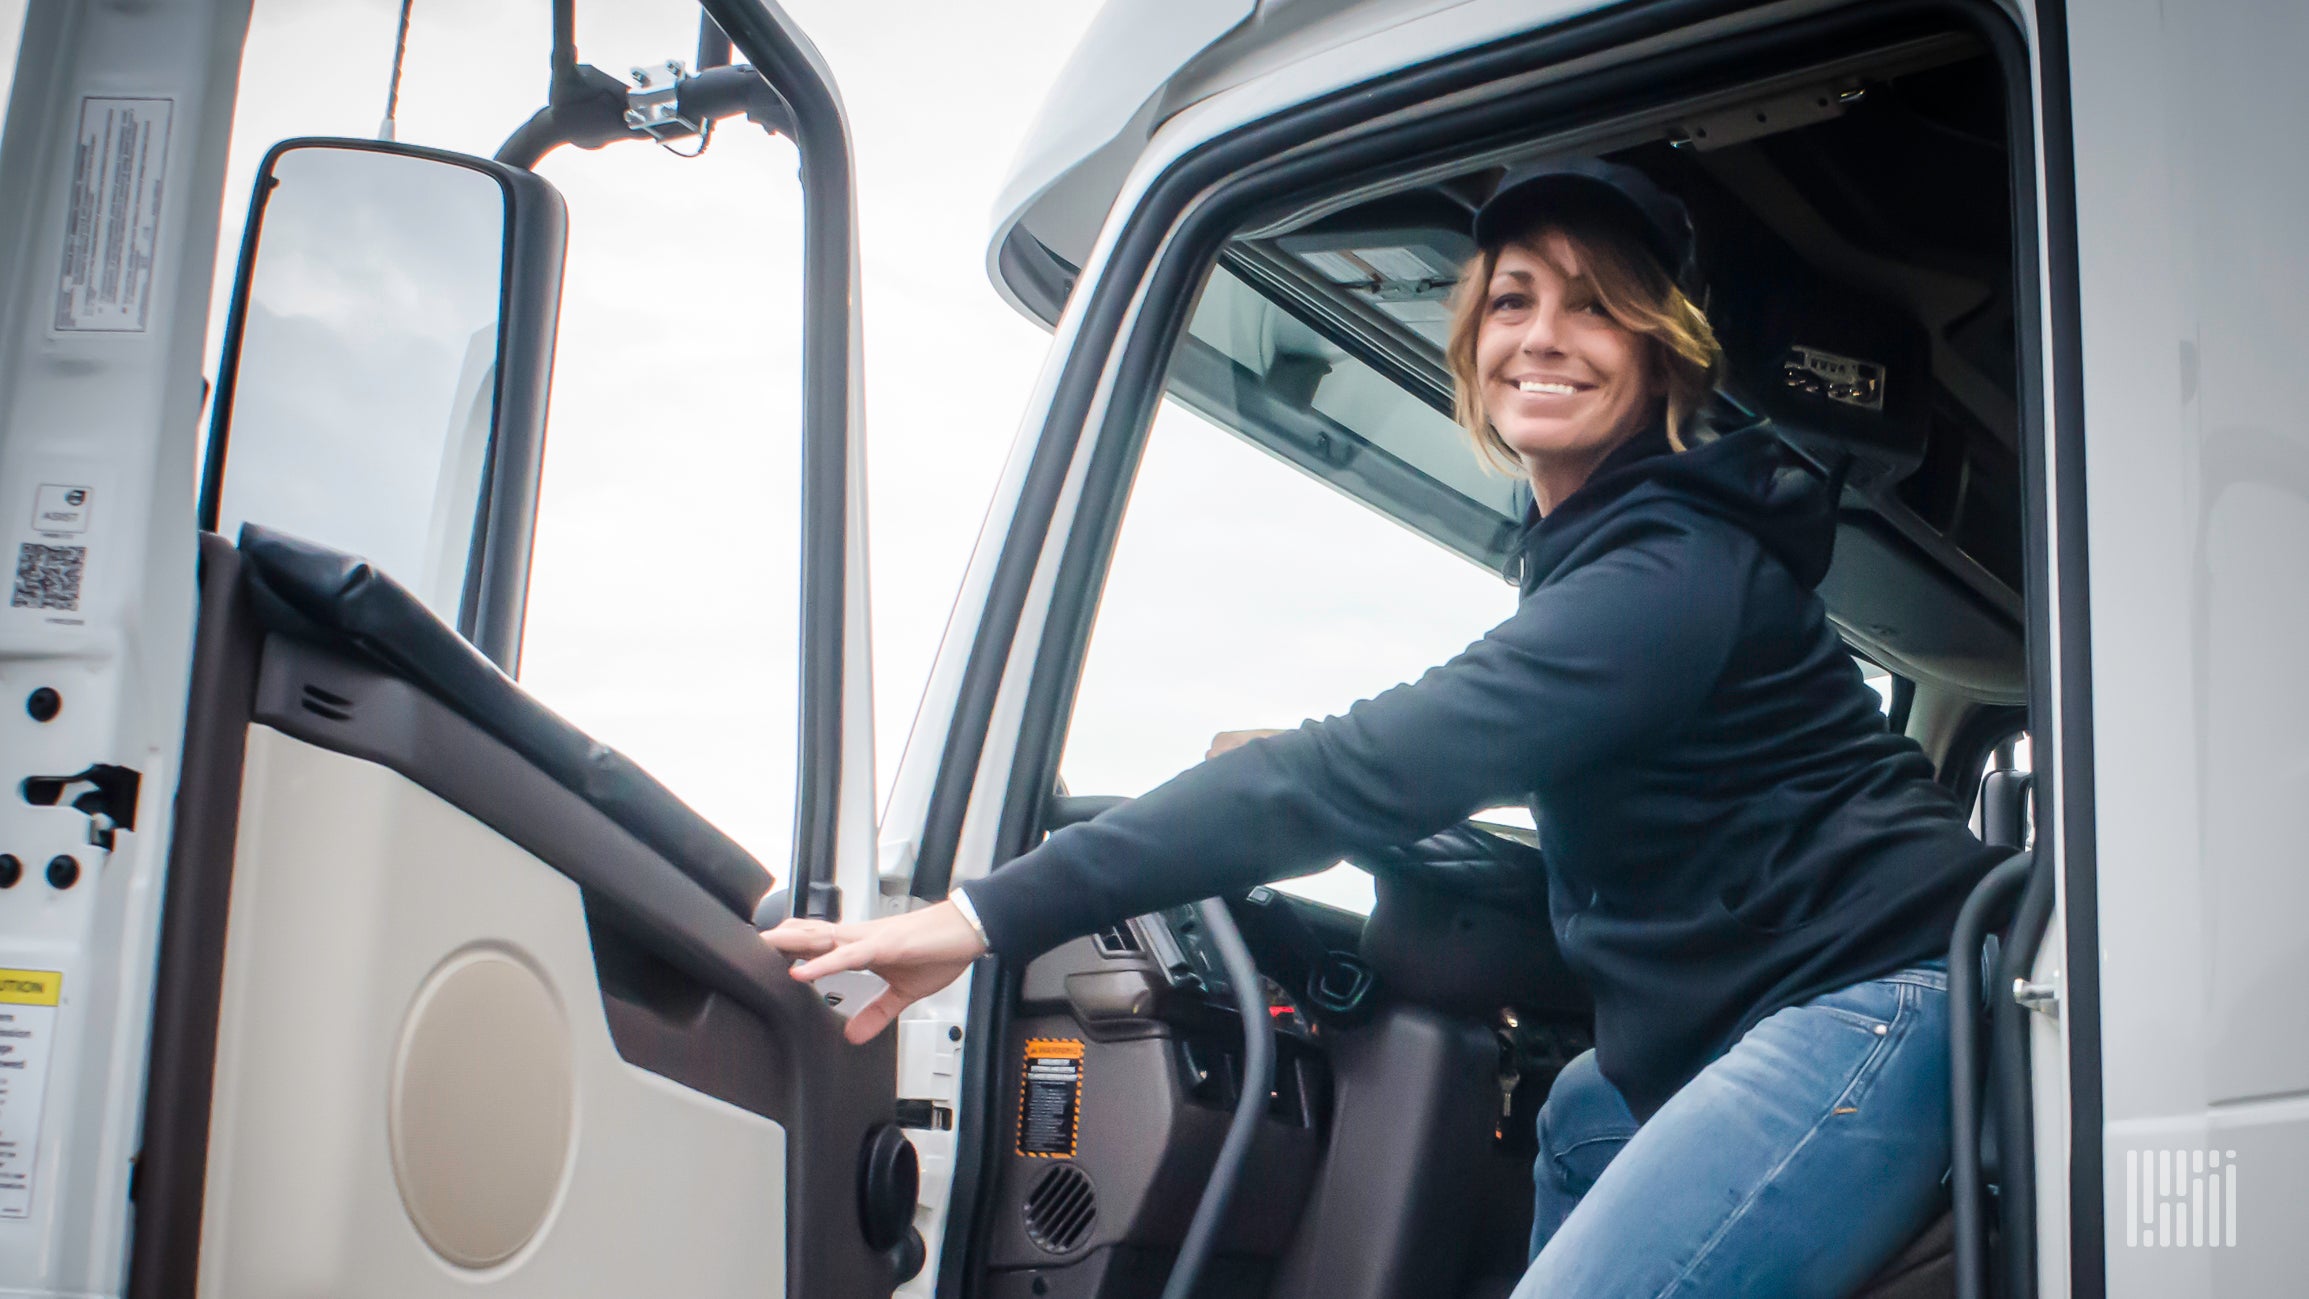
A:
383,384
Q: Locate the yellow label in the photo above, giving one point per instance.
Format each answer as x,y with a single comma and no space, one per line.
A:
30,987
1050,1098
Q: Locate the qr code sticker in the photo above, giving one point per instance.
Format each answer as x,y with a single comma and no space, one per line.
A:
48,577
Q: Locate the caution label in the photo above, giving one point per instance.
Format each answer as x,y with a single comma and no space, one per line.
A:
112,230
1050,1101
28,1001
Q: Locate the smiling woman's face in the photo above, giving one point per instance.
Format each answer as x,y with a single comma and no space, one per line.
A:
1563,382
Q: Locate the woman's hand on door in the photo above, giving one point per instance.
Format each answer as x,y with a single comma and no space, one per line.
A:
916,954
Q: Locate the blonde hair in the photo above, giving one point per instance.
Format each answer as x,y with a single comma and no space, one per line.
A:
1634,290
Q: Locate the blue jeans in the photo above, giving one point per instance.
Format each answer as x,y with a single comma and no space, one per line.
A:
1796,1164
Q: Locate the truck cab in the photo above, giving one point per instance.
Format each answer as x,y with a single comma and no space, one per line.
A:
337,961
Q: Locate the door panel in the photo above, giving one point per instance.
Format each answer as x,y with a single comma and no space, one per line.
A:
454,998
446,1013
398,976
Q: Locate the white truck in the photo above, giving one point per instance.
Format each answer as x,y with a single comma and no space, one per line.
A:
331,962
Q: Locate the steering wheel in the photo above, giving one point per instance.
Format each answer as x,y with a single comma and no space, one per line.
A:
1257,1085
1501,876
1471,862
1462,926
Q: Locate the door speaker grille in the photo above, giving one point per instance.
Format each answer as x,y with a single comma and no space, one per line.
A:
1060,1209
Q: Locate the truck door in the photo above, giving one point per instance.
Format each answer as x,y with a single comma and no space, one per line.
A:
452,997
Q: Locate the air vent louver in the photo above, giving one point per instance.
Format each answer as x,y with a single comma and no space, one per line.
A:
1060,1209
1116,940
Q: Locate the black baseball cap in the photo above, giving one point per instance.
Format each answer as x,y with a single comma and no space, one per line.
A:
1529,191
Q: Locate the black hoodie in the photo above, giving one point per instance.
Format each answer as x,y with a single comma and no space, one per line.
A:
1728,825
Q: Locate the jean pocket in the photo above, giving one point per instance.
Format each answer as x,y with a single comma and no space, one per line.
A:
1895,1002
1873,1005
1931,974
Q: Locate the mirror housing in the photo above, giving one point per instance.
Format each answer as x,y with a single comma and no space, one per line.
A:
385,370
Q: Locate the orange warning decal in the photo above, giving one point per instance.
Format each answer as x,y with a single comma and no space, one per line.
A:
1050,1098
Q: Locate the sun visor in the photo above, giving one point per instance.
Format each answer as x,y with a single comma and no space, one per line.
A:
1835,369
1832,369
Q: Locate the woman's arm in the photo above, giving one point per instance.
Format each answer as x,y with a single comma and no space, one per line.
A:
1614,655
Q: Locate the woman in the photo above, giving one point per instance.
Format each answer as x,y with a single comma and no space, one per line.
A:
1753,875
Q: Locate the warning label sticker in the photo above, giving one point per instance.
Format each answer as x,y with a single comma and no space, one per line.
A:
111,233
1050,1102
28,1000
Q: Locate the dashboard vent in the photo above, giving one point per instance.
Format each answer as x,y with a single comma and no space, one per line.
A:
1117,940
1060,1209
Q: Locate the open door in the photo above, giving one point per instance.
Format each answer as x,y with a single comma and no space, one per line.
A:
452,997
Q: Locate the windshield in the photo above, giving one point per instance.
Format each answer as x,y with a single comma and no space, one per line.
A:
1255,364
1261,371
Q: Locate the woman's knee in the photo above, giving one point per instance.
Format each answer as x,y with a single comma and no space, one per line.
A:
1583,1123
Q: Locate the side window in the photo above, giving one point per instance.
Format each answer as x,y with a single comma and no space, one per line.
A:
664,598
1247,591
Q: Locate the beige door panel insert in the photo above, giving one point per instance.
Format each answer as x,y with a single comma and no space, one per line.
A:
416,1090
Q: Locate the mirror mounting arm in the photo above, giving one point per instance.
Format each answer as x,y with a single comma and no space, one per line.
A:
589,109
586,108
731,90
